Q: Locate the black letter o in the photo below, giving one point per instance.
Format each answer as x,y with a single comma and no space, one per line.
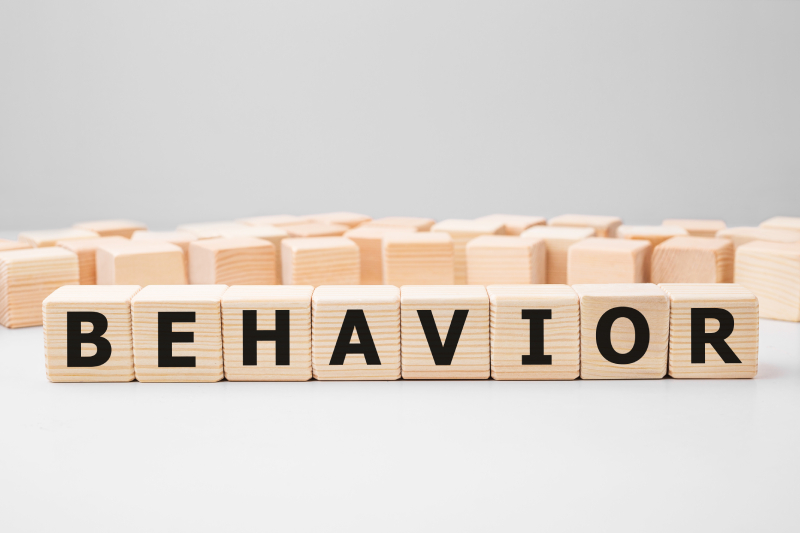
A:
641,335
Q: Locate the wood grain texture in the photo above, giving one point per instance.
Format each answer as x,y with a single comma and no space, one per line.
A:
321,261
785,223
426,258
655,235
557,240
693,260
514,224
506,259
742,235
771,271
604,226
342,218
598,260
112,228
369,240
86,250
462,231
140,263
417,223
232,261
696,227
315,229
272,234
44,238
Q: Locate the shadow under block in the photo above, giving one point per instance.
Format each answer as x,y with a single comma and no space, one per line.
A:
742,235
209,230
604,226
86,250
356,332
140,263
418,259
417,223
288,304
598,260
455,333
771,271
315,229
343,218
112,362
6,245
655,235
535,332
370,247
44,238
232,261
693,260
27,277
785,223
320,261
558,240
696,227
189,317
506,259
514,224
462,231
112,228
628,352
274,220
712,305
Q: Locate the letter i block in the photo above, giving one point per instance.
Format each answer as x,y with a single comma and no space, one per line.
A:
177,333
713,330
266,333
624,331
445,332
356,332
87,333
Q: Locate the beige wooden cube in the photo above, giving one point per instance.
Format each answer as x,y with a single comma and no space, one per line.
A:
315,229
370,247
624,331
771,270
418,259
112,228
274,220
535,332
210,230
178,238
445,332
320,261
696,227
514,224
742,235
356,332
604,226
557,240
177,333
44,238
343,218
598,260
693,260
462,231
6,245
86,250
273,234
27,277
655,235
232,261
506,259
87,333
266,333
713,330
786,223
140,263
417,223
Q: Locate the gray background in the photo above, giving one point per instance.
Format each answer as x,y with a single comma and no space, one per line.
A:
173,112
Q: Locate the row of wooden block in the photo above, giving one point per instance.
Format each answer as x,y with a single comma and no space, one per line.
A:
203,333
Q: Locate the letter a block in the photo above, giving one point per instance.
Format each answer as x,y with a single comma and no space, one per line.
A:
266,333
356,332
445,332
624,331
87,333
713,330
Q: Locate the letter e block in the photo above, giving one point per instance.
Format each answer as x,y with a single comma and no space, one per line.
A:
771,271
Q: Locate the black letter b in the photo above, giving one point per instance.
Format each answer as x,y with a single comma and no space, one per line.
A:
75,339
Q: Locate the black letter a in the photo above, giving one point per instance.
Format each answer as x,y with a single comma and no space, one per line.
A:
355,319
75,338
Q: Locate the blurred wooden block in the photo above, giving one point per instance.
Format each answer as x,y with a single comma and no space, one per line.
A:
695,227
462,231
608,314
604,226
356,333
729,310
693,260
210,230
272,234
27,277
598,260
418,259
281,356
320,261
370,246
87,333
655,235
140,263
274,220
112,228
743,235
417,223
506,259
785,223
558,240
535,332
343,218
86,250
514,224
232,261
178,238
315,229
43,238
771,271
445,332
6,245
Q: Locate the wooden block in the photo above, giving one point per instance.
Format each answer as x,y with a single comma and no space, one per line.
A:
140,263
341,218
87,333
604,226
370,246
210,230
418,259
462,231
506,259
272,234
696,227
356,332
187,318
598,260
315,229
27,277
693,260
6,245
454,341
608,313
535,332
178,238
86,250
695,352
514,224
771,270
274,220
290,305
232,261
558,240
43,238
112,228
785,223
743,235
655,235
320,261
417,223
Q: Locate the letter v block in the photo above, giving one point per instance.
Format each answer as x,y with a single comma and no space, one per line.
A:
445,332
